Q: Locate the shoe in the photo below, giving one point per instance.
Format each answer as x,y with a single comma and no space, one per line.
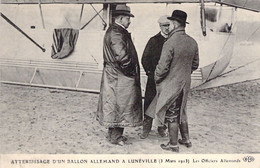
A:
120,143
169,147
124,138
162,131
186,143
108,137
143,135
123,141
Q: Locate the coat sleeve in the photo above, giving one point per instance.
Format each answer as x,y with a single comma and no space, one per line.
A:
147,59
164,64
195,62
124,60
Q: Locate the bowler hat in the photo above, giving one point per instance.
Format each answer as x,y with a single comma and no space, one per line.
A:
122,9
179,15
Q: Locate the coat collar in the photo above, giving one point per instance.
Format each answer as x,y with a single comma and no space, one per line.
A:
164,35
120,28
179,29
120,25
159,35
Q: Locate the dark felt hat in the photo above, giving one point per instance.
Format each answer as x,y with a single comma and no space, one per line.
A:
122,9
179,15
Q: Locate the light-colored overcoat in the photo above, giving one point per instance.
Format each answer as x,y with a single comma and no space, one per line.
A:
120,100
179,58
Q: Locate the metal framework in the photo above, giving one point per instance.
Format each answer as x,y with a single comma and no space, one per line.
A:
98,1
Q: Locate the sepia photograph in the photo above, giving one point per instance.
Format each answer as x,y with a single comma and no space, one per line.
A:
143,80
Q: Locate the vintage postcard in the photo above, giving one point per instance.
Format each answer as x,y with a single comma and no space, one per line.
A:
77,80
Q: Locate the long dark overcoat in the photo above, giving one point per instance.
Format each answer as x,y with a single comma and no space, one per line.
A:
120,100
150,58
173,74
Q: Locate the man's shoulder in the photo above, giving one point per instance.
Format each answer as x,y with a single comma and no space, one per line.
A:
114,30
171,38
155,38
191,39
175,37
158,35
113,27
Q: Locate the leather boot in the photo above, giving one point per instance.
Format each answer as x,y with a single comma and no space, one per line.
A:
184,134
173,136
147,126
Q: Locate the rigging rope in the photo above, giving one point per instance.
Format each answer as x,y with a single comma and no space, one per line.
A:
245,4
253,33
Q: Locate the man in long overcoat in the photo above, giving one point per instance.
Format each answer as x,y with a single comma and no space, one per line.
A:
120,100
178,60
150,58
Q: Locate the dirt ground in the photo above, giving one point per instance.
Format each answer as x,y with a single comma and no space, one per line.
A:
49,121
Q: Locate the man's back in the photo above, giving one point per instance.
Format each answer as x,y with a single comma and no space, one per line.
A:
184,52
185,49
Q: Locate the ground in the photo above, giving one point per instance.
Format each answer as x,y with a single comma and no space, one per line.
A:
50,121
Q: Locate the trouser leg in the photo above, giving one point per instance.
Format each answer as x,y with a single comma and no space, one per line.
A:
172,118
184,129
173,127
109,134
147,126
149,96
173,132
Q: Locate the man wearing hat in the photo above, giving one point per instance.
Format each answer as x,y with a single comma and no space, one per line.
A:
120,100
150,58
179,58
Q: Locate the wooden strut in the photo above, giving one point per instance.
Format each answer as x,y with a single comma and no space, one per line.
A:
81,13
35,71
90,20
11,23
105,12
80,75
43,25
53,87
104,22
203,20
